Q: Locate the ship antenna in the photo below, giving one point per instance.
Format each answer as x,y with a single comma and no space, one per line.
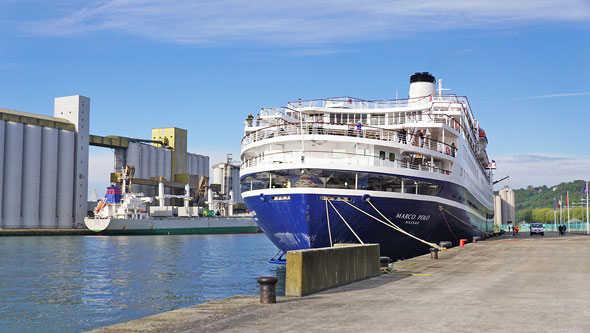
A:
440,88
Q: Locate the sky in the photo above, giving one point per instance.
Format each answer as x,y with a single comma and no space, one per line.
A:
204,65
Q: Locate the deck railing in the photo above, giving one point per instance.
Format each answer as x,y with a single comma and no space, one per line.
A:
366,132
341,158
409,118
357,103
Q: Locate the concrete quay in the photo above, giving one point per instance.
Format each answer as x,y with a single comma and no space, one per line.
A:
511,283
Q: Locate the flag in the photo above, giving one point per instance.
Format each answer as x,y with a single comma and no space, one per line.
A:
559,203
554,203
567,199
585,188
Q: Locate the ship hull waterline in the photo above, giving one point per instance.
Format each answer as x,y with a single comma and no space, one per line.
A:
301,222
172,226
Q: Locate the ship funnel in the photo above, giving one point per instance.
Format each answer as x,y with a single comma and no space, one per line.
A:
421,85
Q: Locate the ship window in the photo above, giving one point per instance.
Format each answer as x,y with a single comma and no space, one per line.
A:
260,181
280,179
382,155
338,179
392,157
427,188
246,184
378,119
363,179
379,182
410,186
304,178
393,184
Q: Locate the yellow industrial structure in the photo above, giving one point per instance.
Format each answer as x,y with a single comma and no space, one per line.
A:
176,138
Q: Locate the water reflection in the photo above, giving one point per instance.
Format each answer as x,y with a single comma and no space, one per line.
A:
70,284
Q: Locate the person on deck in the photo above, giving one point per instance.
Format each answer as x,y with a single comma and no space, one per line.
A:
401,135
421,138
249,119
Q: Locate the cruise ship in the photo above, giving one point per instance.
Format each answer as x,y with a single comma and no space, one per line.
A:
404,173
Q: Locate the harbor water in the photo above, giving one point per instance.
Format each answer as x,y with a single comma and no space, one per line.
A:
78,283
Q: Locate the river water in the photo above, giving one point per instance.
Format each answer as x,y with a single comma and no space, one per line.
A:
77,283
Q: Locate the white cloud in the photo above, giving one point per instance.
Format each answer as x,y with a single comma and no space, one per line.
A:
552,96
541,169
296,22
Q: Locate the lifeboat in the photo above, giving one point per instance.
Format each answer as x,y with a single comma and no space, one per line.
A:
483,139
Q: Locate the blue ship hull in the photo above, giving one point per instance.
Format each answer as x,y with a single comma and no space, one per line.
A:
301,222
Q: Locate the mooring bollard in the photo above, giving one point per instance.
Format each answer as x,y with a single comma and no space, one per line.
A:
433,253
476,238
445,244
384,262
268,289
462,242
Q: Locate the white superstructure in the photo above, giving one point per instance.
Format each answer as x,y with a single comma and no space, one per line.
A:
430,135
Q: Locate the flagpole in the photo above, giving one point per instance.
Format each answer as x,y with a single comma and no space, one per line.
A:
554,213
560,204
567,200
587,222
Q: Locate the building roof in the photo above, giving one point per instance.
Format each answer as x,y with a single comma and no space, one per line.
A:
35,119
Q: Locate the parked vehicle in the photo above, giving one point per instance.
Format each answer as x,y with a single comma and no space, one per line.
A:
537,228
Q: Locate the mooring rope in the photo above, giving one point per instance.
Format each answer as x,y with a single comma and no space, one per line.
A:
442,209
447,222
329,230
337,212
394,226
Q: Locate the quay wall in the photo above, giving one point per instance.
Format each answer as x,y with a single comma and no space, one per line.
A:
314,270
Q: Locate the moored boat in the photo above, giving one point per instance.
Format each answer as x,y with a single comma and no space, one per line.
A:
404,173
130,213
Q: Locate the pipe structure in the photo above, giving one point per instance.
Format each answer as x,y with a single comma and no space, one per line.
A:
230,204
161,197
187,195
210,199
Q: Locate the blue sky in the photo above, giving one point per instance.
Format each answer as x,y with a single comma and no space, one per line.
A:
202,66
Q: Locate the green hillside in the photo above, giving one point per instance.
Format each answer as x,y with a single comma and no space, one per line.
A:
536,203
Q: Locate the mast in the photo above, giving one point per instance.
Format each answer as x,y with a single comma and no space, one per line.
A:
587,221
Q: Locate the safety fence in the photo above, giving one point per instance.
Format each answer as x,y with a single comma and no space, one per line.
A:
571,227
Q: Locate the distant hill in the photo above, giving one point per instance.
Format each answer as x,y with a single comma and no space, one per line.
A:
536,203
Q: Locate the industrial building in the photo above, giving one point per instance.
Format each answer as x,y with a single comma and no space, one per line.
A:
227,175
504,207
44,164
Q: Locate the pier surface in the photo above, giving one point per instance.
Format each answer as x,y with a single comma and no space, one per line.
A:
519,283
